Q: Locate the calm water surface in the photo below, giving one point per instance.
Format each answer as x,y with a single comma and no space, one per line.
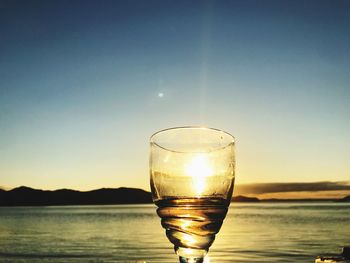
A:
293,232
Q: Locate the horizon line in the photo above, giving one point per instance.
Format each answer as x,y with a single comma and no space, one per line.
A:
248,188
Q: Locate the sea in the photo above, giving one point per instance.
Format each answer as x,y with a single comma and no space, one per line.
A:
252,232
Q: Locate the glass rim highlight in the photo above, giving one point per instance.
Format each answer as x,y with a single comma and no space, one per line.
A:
231,139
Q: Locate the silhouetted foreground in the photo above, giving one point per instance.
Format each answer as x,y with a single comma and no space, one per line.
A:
26,196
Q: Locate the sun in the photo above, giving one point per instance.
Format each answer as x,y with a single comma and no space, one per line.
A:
199,169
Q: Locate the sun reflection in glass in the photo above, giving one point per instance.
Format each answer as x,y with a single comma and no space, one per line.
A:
199,169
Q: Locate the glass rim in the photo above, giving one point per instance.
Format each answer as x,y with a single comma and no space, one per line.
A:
232,139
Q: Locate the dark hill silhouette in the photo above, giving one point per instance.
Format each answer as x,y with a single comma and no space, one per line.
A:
345,199
25,196
2,194
241,198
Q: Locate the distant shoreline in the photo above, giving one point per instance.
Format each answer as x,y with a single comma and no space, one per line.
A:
281,200
26,196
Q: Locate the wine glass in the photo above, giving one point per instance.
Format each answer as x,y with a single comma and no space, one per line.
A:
192,173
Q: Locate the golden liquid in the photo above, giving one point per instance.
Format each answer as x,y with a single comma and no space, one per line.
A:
192,222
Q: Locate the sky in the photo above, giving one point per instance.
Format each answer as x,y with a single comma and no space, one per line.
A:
84,84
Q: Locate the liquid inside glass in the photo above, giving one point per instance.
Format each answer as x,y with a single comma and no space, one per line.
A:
192,222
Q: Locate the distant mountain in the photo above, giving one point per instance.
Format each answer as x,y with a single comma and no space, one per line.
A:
25,196
242,198
345,199
2,194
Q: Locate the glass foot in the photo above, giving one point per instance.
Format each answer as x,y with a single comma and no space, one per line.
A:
190,255
191,260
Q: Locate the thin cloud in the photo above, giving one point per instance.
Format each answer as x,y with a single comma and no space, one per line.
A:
263,188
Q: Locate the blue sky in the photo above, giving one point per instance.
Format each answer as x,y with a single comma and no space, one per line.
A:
80,82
